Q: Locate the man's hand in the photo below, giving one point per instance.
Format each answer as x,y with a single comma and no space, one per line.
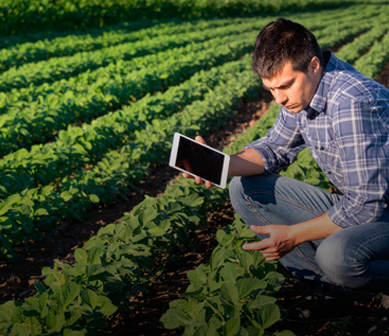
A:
284,238
279,243
197,179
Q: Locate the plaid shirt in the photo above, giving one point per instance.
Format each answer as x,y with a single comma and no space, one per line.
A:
346,128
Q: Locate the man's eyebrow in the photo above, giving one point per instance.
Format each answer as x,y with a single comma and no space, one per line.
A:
283,85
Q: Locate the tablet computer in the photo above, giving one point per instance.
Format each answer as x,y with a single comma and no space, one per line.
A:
197,159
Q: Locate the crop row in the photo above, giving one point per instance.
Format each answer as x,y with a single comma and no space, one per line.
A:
372,62
25,215
79,146
20,16
88,99
93,40
351,52
44,48
65,67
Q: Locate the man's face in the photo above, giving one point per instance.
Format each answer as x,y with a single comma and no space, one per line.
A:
294,89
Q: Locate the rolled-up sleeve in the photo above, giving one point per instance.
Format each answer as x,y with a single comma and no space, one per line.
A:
282,143
362,137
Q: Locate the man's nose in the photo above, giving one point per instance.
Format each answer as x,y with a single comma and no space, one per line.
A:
280,97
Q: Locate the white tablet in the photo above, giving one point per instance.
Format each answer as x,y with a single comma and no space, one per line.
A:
196,159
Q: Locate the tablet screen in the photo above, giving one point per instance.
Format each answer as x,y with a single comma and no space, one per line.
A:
200,160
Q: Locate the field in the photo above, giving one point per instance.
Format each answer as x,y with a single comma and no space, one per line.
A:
97,234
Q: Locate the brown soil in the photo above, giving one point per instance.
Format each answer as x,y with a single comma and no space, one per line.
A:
16,278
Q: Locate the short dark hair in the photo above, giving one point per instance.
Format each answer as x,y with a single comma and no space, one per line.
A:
281,41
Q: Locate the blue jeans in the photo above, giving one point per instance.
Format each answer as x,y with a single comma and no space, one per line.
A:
356,257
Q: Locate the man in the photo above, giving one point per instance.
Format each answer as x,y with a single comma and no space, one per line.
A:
338,240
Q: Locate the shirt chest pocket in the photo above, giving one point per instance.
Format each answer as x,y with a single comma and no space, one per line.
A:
326,151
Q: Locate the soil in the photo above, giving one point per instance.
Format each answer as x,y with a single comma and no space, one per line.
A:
17,277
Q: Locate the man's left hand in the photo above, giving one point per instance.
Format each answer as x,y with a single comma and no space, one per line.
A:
279,243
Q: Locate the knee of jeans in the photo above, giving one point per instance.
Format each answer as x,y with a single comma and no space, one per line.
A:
236,189
333,259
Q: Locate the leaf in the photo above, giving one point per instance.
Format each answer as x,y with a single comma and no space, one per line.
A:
80,255
231,328
107,308
94,255
268,315
229,273
90,298
66,196
156,231
229,294
197,276
148,215
39,287
247,285
41,212
220,234
261,301
174,318
68,293
20,329
217,257
94,198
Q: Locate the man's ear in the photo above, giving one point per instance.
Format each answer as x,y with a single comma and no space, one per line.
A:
314,65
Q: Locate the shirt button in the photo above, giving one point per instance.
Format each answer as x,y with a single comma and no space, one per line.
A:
329,173
316,147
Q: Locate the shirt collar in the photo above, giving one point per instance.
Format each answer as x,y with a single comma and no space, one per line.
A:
319,100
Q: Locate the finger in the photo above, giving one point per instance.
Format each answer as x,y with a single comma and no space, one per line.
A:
200,139
260,246
198,180
208,184
260,229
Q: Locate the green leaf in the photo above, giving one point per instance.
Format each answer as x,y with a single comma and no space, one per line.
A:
41,212
201,331
220,234
90,298
247,285
156,231
268,315
20,329
69,332
94,198
229,273
43,300
231,328
94,255
229,294
174,318
147,215
107,308
66,196
39,287
217,257
68,293
197,276
261,301
285,333
80,255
